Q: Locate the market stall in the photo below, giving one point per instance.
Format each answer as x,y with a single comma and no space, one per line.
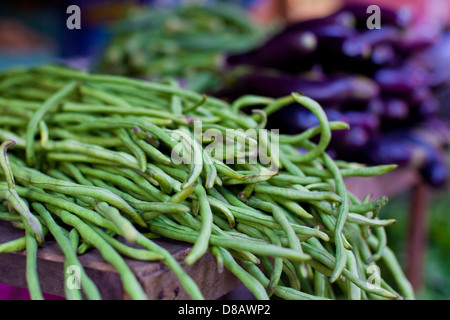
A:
189,151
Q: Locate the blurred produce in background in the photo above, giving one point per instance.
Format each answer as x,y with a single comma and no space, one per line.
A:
384,82
186,41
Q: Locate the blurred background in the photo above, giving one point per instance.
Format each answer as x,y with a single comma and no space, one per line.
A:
390,84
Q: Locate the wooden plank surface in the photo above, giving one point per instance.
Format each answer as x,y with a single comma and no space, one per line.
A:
391,184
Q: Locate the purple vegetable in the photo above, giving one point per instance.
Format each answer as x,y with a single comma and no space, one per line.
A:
387,34
418,37
394,148
370,122
340,49
401,80
389,108
294,119
411,148
330,91
279,52
398,18
429,107
436,60
383,55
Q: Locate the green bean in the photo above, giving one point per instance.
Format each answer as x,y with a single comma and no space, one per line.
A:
295,179
216,252
84,213
124,225
15,245
354,293
65,245
104,96
328,262
202,242
120,176
77,158
151,151
77,107
137,152
347,173
39,114
251,283
45,182
94,151
297,195
358,219
196,162
12,121
165,181
9,136
341,255
389,259
32,275
13,198
382,244
294,207
279,216
255,247
374,206
137,254
310,133
128,123
6,216
280,291
71,293
130,282
248,101
319,284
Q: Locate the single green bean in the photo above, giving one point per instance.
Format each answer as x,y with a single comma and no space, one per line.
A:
39,114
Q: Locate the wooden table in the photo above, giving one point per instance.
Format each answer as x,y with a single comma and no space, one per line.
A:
160,283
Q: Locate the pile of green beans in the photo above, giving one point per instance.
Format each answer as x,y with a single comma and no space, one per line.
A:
86,160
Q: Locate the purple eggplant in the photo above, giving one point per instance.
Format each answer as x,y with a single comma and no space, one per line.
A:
435,170
401,80
387,34
293,52
279,52
383,55
429,107
410,148
295,118
331,91
339,48
436,60
341,41
418,37
369,121
389,108
395,148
